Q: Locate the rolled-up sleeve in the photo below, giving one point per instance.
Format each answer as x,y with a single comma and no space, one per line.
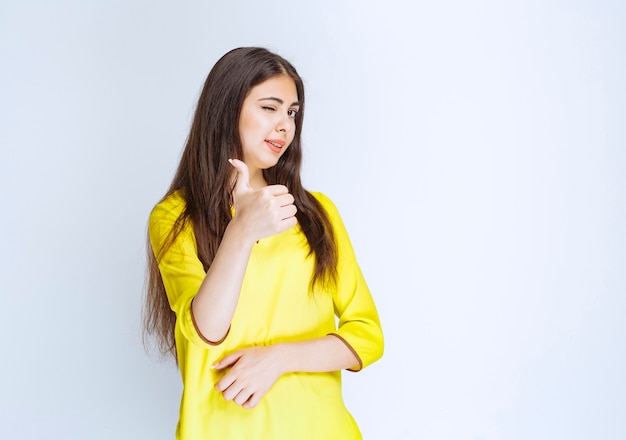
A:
181,269
359,324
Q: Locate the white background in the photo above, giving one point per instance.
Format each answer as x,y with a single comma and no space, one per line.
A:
475,149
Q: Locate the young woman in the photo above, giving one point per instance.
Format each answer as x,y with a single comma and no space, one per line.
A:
248,270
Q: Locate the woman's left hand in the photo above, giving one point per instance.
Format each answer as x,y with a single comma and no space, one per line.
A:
253,371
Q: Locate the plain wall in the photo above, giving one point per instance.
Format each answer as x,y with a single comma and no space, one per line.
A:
476,151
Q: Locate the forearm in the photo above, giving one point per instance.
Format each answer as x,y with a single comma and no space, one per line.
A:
327,353
214,304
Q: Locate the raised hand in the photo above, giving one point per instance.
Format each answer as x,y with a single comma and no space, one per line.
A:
261,212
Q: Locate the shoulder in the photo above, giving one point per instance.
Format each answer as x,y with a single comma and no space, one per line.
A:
329,206
164,220
325,201
171,207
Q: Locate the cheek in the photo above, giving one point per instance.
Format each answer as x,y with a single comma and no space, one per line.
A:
248,121
248,131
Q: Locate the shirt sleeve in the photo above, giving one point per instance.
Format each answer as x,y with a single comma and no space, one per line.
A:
181,269
359,324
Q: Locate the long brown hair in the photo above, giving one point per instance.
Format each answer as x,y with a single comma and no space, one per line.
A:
203,178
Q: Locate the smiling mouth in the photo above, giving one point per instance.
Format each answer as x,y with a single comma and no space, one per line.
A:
275,146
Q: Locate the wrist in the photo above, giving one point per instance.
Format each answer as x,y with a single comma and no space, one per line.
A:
237,231
284,357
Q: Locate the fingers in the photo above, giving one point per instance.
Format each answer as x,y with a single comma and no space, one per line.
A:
234,392
263,212
234,387
284,200
226,361
253,371
239,393
288,212
242,397
252,401
290,222
277,190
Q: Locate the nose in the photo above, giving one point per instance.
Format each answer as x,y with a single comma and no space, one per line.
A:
283,124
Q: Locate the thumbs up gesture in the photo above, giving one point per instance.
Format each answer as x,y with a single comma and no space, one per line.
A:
261,212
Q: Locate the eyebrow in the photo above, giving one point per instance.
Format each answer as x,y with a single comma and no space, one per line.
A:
278,100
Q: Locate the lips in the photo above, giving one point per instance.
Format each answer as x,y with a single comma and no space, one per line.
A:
276,145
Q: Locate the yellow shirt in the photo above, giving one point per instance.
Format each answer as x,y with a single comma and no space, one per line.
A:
274,306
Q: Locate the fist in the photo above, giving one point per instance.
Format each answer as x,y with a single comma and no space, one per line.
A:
261,212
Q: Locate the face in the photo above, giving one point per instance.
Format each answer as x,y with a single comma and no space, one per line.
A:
267,122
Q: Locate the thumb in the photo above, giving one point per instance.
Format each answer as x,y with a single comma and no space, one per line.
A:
243,175
226,361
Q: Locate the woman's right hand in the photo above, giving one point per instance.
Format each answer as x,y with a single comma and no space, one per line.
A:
261,212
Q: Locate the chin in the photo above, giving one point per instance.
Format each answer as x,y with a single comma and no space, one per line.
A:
266,164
